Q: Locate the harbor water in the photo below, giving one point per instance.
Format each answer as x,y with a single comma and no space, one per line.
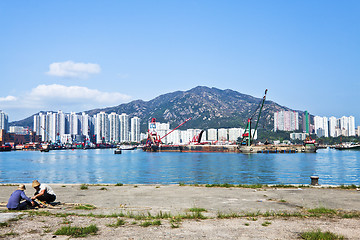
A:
102,166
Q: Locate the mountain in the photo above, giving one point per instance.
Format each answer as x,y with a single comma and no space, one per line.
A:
207,107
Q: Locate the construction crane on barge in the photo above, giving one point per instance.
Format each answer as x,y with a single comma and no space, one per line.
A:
154,140
248,136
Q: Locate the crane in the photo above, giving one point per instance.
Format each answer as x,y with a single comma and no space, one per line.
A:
247,136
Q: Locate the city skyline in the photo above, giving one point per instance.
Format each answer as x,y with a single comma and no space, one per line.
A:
87,54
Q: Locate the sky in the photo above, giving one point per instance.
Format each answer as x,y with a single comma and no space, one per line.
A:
80,55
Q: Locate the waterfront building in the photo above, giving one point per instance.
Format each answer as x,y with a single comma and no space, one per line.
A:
18,130
235,133
321,126
63,123
102,127
286,121
306,122
36,126
4,121
352,126
114,127
212,134
84,121
222,134
124,127
298,136
358,131
332,126
135,129
74,124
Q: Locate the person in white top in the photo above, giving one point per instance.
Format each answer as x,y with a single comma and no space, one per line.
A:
43,192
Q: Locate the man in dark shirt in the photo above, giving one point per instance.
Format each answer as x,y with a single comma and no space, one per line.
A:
15,198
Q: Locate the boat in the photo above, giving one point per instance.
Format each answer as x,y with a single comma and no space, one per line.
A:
117,151
348,146
5,148
248,146
127,147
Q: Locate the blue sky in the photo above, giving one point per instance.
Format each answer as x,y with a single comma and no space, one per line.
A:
80,55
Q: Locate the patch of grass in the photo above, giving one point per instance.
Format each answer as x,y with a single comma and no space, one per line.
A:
77,231
197,210
352,186
119,184
149,223
318,235
193,215
228,215
11,234
266,223
63,186
119,222
83,187
226,185
247,224
135,186
282,200
253,186
162,215
103,188
322,210
174,225
85,207
182,184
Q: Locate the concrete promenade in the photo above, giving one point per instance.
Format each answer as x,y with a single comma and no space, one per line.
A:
175,199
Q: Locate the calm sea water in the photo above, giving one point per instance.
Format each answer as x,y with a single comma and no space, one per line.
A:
138,167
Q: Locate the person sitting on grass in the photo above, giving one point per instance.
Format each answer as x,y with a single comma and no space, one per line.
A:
15,202
44,192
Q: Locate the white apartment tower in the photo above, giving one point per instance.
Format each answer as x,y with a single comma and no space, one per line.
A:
332,126
102,126
212,134
4,121
114,127
124,127
321,126
135,129
222,134
74,124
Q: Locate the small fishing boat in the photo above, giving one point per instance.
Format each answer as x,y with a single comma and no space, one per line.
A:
117,151
128,147
348,146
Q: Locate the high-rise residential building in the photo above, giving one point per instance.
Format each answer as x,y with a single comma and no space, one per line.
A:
306,122
36,127
286,121
84,120
212,134
124,127
135,129
352,126
102,127
114,127
222,134
235,133
332,126
4,121
74,124
321,126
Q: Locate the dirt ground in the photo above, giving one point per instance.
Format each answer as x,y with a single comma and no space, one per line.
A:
142,200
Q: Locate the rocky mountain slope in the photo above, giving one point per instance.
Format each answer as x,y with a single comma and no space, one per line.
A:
207,107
